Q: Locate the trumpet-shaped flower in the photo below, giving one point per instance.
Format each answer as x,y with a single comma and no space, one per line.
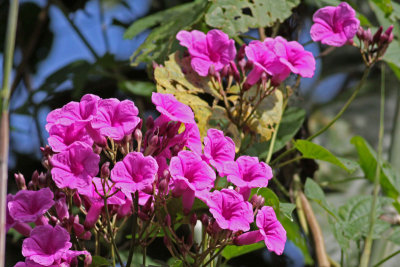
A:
75,167
247,172
172,109
190,175
28,206
214,48
134,172
62,136
278,58
116,119
80,112
46,245
218,149
270,230
230,210
334,26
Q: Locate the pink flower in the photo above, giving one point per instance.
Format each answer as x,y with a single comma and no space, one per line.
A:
215,48
46,245
23,228
334,26
278,58
218,149
75,167
247,172
190,175
171,108
193,139
28,206
270,230
230,210
134,172
72,112
62,136
116,119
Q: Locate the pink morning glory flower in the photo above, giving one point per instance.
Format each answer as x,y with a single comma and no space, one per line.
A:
62,136
214,48
334,26
172,109
46,245
230,210
134,172
218,149
189,176
193,139
81,112
246,173
270,230
28,206
116,119
75,167
22,228
278,58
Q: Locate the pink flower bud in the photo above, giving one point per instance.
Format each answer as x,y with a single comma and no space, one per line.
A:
377,35
389,30
225,71
105,170
167,220
241,53
205,220
149,122
163,186
77,199
257,201
88,260
138,135
31,186
211,71
20,180
360,33
97,149
153,141
234,71
35,177
368,36
147,206
193,219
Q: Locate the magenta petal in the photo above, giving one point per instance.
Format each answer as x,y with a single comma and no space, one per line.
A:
272,230
248,238
93,214
187,201
28,206
174,110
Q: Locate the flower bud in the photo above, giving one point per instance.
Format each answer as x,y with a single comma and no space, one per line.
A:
240,55
167,220
211,71
31,186
167,243
138,135
77,199
377,35
153,141
88,260
389,30
35,177
234,71
193,219
97,149
20,180
368,36
204,219
149,122
105,170
225,71
147,206
166,174
360,33
42,180
257,201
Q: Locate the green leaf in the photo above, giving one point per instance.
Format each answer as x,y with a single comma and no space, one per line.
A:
229,15
311,150
314,192
385,6
287,209
395,235
392,57
232,251
389,178
139,88
98,261
162,39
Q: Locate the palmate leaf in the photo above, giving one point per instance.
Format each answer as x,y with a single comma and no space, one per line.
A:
161,40
237,16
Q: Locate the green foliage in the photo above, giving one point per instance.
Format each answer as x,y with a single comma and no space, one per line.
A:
271,199
389,178
230,16
167,24
395,235
385,6
233,251
139,88
313,151
287,209
314,192
98,261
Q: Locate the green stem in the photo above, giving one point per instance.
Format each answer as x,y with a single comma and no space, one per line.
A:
344,108
110,232
368,241
4,120
387,258
274,135
289,161
135,199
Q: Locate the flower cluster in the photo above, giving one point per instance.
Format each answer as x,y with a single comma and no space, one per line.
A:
103,162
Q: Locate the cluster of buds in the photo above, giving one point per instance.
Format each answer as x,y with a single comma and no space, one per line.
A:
373,47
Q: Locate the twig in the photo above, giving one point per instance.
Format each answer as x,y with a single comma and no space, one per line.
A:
275,134
318,238
387,258
135,200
